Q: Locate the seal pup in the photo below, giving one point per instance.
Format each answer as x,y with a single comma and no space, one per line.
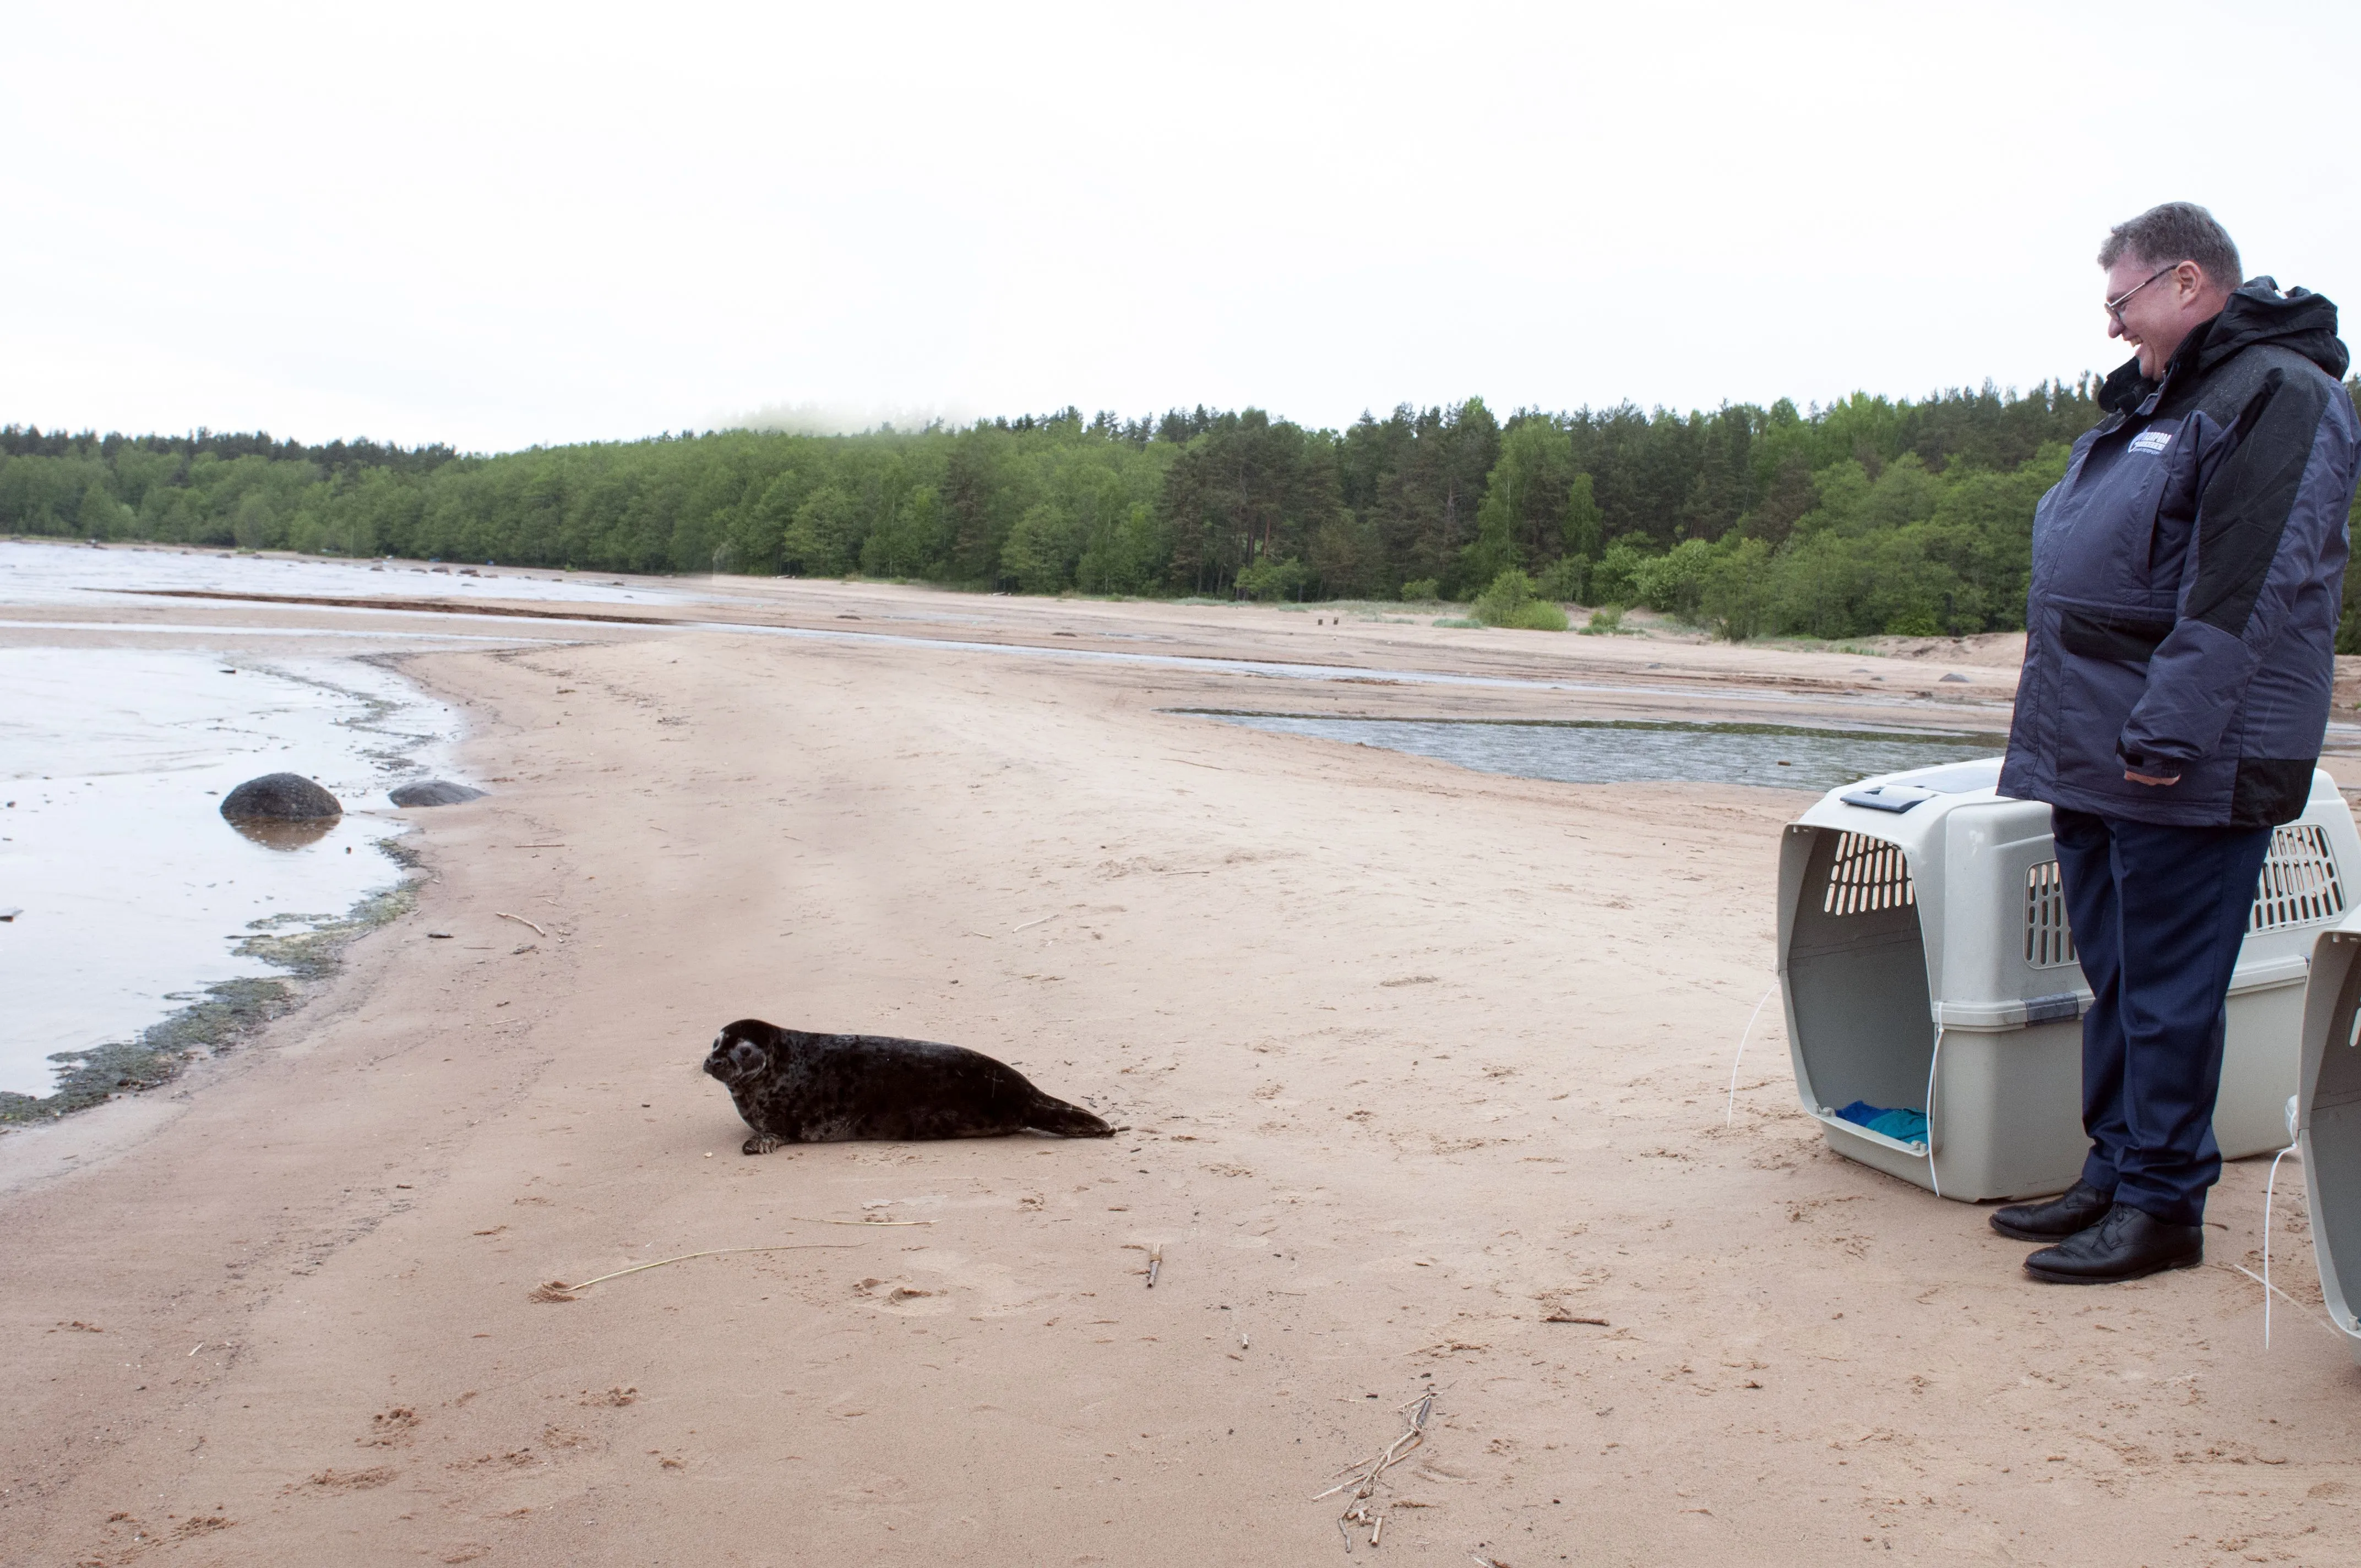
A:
798,1088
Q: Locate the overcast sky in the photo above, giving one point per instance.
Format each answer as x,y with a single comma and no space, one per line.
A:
498,226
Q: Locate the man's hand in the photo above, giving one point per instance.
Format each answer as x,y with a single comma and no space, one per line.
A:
2143,778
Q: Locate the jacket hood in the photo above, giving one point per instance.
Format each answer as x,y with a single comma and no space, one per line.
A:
2298,319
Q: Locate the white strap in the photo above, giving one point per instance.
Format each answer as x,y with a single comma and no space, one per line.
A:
1730,1111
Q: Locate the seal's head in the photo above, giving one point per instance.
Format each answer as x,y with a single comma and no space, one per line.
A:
741,1050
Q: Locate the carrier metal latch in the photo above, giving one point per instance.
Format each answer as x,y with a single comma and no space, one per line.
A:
2045,1009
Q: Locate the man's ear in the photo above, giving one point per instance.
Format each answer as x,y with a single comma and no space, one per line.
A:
2192,282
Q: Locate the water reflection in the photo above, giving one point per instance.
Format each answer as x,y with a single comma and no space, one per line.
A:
274,834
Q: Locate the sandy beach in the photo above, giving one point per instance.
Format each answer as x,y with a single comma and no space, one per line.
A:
1424,1074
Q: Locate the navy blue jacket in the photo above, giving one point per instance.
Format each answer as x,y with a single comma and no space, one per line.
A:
2187,575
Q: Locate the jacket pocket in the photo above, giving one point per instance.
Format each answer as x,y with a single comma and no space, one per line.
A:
2096,692
2113,635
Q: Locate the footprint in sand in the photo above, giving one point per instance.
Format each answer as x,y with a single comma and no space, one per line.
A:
941,1282
903,1299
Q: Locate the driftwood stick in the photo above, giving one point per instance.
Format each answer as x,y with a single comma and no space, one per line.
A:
520,920
1363,1481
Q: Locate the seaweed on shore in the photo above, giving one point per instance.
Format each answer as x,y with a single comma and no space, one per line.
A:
225,1014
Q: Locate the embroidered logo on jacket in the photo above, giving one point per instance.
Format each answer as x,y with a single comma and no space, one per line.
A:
2151,441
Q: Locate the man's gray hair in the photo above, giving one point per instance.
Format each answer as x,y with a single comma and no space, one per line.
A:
2172,234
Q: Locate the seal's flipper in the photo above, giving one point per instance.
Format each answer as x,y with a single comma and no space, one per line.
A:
1050,1115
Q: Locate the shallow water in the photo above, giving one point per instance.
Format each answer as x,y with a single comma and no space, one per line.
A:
185,631
133,893
1776,756
61,574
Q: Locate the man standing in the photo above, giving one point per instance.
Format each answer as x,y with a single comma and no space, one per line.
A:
2187,578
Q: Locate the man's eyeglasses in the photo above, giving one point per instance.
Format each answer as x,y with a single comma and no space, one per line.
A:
2115,305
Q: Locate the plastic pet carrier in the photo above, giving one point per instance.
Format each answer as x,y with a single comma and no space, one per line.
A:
2328,1121
1934,1000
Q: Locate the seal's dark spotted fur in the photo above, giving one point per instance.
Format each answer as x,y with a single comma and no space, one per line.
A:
797,1088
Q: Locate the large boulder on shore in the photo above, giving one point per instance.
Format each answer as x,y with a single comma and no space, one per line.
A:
281,797
432,792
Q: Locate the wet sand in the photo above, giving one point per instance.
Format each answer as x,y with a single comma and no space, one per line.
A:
1421,1068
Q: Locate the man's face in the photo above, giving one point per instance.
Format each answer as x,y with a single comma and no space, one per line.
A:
2158,317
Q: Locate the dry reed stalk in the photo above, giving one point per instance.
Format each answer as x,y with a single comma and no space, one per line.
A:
520,920
558,1290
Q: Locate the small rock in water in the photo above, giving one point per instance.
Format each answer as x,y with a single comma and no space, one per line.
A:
281,797
433,792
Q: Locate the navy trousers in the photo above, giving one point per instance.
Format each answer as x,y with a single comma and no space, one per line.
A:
2158,914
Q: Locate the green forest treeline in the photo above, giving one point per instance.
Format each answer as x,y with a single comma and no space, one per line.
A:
1869,516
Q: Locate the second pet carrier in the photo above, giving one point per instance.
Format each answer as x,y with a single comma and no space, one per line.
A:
2328,1123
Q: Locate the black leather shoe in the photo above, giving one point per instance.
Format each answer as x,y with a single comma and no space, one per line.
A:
2129,1243
2077,1209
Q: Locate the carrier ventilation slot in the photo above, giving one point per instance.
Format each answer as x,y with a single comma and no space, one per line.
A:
1867,874
2299,885
2048,940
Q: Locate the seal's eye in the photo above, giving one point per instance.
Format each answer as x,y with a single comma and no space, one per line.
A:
745,1055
